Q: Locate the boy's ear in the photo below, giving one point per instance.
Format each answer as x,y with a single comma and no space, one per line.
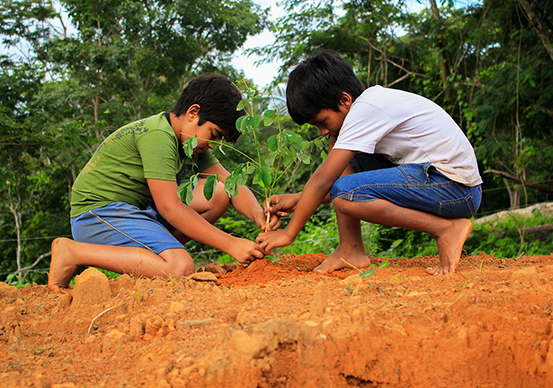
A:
193,111
346,100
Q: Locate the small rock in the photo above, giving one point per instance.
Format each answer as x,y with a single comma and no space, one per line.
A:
177,307
245,344
203,277
91,287
527,277
136,327
112,340
320,299
214,268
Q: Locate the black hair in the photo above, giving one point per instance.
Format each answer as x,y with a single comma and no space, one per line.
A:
319,82
217,98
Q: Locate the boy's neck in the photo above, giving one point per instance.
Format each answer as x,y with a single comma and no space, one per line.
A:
177,125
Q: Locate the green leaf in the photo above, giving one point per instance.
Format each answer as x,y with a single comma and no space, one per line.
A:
250,168
189,144
269,116
305,159
210,186
189,194
181,191
185,191
269,159
239,123
238,175
272,143
264,177
248,124
290,136
318,143
231,188
242,104
218,151
289,157
256,121
367,273
396,243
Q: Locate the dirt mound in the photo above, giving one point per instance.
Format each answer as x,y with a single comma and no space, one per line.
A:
280,325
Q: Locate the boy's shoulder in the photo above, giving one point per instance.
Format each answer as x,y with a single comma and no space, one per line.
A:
394,99
143,126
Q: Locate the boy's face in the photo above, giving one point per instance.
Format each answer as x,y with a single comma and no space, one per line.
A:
206,132
329,121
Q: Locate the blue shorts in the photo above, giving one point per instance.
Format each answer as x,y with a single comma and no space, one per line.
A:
415,186
122,224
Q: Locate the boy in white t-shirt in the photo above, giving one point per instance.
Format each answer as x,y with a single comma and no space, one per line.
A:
395,159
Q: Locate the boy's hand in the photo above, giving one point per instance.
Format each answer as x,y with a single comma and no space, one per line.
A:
245,251
282,204
269,240
261,221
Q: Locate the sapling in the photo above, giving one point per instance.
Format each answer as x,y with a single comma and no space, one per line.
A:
267,166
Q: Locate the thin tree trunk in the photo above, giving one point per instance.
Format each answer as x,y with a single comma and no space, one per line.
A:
535,21
444,67
520,181
14,209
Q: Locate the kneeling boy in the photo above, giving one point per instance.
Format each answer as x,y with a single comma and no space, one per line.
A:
126,216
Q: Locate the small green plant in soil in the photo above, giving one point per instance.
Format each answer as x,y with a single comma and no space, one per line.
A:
17,281
373,270
272,158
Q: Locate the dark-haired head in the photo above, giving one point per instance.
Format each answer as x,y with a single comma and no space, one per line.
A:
319,82
217,98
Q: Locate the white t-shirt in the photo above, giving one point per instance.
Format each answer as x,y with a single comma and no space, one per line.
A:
408,128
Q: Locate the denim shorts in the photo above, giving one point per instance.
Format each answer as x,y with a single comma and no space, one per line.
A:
122,224
415,186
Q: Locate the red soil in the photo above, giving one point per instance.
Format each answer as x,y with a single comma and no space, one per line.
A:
280,325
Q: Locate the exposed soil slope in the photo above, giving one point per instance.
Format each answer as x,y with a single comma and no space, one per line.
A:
279,325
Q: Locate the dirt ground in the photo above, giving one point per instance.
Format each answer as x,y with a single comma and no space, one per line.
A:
280,325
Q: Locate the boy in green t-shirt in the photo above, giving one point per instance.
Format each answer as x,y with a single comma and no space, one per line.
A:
126,216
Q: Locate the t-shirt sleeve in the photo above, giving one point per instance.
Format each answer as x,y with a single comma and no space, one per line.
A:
205,160
364,126
159,154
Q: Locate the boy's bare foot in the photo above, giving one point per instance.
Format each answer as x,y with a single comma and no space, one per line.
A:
335,262
450,245
62,267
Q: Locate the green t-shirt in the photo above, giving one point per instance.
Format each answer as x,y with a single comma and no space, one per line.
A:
117,172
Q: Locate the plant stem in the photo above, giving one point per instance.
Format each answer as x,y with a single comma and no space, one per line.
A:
267,203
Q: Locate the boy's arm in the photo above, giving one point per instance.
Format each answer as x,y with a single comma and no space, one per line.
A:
313,194
245,202
186,220
281,204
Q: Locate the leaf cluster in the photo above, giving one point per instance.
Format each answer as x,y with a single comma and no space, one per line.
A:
271,158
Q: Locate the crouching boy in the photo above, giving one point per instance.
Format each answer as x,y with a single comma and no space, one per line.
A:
395,159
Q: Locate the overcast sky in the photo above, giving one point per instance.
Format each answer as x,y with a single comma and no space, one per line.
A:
263,74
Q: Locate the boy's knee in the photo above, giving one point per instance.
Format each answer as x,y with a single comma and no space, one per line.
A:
221,198
335,190
183,267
